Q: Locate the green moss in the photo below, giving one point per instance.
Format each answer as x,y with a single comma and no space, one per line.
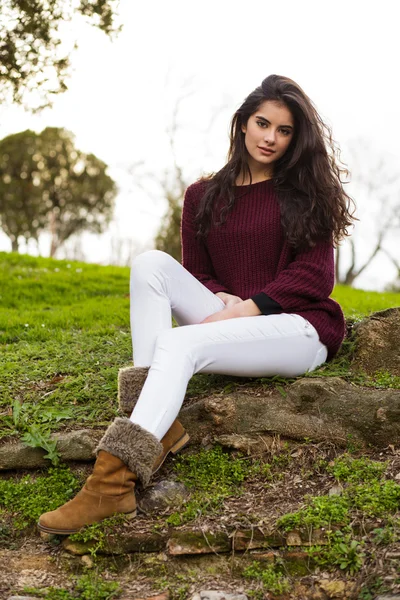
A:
212,475
29,497
211,469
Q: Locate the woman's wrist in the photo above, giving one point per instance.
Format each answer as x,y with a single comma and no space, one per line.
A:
246,308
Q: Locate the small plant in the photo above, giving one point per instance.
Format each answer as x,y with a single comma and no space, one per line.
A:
348,556
86,587
91,587
259,468
269,576
178,587
322,511
97,533
281,460
376,499
386,535
343,551
356,470
384,379
199,504
35,423
354,445
371,590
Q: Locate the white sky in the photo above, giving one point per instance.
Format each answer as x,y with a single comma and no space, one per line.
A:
344,54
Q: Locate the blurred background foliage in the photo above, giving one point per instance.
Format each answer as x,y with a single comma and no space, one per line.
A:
47,184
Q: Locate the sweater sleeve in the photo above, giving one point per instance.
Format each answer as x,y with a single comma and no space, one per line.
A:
266,304
309,278
195,256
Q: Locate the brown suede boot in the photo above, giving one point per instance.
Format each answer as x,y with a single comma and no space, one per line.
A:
174,440
126,453
130,383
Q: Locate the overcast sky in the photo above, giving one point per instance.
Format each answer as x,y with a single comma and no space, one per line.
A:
344,54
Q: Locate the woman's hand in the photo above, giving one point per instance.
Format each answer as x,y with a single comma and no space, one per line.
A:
228,299
226,313
240,308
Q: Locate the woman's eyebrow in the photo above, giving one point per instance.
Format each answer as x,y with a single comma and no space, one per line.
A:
266,120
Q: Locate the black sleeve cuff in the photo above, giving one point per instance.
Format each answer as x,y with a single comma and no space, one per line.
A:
266,304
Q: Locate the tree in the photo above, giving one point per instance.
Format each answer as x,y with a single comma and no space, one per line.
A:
32,56
47,184
394,286
375,186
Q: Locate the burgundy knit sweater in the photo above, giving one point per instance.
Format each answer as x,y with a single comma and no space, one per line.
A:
248,256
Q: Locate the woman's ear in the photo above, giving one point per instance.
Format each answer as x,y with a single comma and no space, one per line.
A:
243,128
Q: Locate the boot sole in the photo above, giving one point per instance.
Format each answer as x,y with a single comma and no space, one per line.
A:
128,516
179,445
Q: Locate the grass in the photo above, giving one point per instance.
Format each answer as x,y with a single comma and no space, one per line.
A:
357,304
64,333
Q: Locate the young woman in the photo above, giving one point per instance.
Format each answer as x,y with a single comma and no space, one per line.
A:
251,298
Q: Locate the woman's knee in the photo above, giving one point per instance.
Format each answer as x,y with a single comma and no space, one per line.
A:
149,262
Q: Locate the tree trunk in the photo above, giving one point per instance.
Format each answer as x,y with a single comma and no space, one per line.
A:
53,231
14,245
322,409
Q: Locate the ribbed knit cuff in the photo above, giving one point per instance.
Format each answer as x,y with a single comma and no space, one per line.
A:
266,304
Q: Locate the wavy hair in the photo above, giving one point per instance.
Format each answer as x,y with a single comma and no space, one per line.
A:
313,203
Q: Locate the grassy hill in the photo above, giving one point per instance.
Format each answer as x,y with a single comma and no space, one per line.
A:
64,333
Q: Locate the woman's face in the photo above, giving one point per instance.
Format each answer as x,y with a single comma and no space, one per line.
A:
272,127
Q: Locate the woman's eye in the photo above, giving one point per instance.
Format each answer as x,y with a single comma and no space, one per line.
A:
284,131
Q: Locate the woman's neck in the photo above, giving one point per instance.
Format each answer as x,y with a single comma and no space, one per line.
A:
255,179
257,175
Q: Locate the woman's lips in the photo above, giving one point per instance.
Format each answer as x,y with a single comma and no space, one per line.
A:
266,150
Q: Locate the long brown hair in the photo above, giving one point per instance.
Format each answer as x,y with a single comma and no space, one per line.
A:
306,178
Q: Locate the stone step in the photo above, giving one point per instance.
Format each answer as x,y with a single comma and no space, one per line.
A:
195,541
320,409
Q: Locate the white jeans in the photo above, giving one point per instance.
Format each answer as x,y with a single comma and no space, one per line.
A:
258,346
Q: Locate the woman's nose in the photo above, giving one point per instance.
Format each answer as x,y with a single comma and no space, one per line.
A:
269,137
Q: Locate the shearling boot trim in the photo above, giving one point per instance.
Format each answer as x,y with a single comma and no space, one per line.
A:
130,383
135,446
